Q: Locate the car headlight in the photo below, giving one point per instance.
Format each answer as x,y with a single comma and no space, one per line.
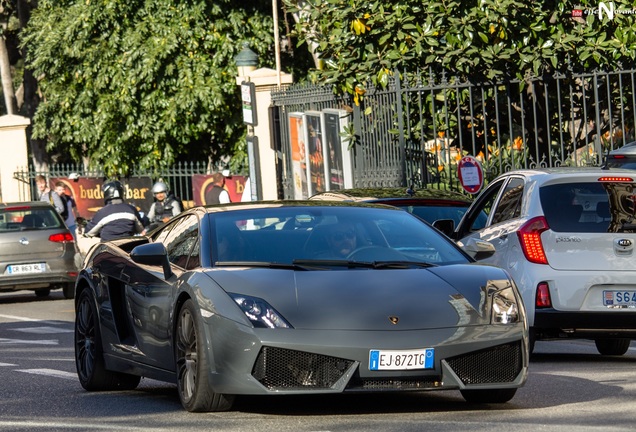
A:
505,308
259,312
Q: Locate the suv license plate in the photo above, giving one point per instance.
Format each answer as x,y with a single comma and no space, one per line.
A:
401,360
26,268
626,299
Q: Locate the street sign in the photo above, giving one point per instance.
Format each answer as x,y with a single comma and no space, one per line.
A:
470,174
248,97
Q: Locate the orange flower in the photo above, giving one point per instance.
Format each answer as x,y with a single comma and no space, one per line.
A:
440,134
517,143
440,167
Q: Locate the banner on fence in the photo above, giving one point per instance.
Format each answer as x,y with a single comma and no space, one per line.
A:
202,183
87,192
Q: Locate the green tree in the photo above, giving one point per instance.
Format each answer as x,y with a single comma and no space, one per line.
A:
137,83
366,41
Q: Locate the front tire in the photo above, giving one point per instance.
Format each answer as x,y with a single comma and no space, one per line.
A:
43,292
613,347
193,365
89,357
488,395
68,290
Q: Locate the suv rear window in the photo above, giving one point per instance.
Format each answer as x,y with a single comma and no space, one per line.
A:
20,219
589,207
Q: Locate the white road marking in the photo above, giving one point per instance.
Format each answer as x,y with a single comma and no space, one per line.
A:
44,330
50,372
47,426
7,364
24,341
19,318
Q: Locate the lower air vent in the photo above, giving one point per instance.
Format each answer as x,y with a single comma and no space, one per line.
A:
379,384
500,364
283,369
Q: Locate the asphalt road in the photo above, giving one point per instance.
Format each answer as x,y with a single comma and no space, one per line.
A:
570,387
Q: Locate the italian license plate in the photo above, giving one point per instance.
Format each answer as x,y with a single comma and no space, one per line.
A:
402,360
619,298
26,268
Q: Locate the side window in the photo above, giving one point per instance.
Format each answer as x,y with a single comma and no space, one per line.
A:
509,206
476,218
181,239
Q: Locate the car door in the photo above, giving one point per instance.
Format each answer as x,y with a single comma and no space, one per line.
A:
502,202
151,297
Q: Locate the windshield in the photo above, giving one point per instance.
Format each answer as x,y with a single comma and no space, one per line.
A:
293,234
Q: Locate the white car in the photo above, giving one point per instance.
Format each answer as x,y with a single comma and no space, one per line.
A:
567,236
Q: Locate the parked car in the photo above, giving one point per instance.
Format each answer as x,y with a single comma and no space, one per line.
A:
622,157
36,249
429,204
297,298
567,236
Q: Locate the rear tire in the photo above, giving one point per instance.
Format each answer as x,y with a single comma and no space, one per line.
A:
68,290
489,395
44,292
89,357
193,365
613,347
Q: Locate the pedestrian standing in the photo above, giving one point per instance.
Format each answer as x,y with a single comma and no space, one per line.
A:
217,194
72,213
46,194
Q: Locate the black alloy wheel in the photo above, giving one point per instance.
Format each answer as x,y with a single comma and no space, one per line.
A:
193,365
89,358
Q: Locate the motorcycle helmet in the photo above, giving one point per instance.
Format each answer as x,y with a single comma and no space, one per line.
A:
112,190
159,187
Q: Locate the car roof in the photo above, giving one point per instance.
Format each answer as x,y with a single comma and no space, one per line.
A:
285,203
627,149
387,194
24,204
569,172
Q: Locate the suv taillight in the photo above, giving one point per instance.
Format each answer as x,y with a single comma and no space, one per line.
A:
61,238
530,239
543,296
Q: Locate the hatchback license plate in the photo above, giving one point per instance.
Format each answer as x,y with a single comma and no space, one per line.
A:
26,268
401,360
619,298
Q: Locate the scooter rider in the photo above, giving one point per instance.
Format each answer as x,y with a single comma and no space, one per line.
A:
165,206
117,218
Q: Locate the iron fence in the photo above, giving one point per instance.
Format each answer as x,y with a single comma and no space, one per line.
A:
177,177
413,131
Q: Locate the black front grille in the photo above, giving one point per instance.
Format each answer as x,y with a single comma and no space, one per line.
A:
500,364
379,384
283,369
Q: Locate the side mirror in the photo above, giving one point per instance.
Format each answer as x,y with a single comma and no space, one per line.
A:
447,226
152,254
478,249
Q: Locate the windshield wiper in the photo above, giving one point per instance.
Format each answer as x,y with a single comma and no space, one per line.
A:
362,264
264,264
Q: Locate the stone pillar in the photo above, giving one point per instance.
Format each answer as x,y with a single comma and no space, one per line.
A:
265,81
13,147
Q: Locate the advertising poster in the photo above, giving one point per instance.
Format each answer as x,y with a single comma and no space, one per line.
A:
202,183
334,165
298,156
315,152
87,192
339,157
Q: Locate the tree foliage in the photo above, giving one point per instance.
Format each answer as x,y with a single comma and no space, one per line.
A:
366,41
140,82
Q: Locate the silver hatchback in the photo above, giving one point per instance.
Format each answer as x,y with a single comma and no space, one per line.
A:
36,249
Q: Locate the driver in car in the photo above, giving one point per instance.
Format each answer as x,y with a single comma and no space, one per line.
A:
341,240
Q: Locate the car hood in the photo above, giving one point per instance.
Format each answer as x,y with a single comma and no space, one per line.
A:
365,299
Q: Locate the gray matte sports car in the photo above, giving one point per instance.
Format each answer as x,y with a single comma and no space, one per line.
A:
297,297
